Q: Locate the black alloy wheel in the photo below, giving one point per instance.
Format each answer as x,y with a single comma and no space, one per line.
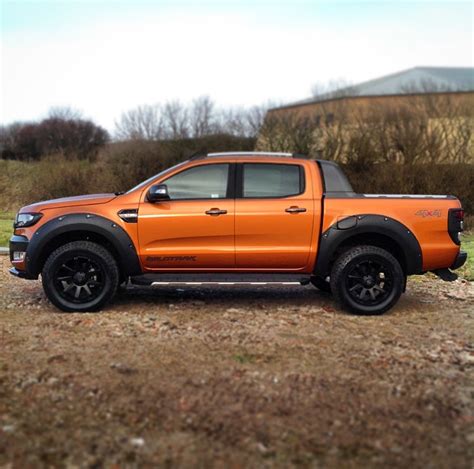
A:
79,279
367,280
80,276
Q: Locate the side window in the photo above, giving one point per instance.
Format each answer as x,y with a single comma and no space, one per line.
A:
272,180
201,182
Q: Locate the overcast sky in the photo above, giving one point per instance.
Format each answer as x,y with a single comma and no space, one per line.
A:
106,57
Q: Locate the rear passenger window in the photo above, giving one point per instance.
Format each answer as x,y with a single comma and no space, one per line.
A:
272,180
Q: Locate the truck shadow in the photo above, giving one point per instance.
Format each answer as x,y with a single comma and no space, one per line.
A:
235,296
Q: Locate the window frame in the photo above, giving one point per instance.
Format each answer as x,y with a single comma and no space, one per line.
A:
230,190
239,188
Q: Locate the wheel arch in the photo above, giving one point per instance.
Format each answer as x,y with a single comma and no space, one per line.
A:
374,230
87,227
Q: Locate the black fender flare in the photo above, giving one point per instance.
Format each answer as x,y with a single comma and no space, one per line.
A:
367,224
129,263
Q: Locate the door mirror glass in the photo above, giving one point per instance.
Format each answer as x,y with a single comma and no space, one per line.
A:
158,193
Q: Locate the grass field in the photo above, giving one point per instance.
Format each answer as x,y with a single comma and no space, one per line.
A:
6,220
6,228
467,244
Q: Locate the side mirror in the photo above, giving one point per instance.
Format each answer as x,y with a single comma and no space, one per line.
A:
158,193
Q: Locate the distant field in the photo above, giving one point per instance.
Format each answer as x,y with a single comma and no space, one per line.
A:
6,228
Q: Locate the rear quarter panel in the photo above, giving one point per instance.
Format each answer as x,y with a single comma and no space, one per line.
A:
426,218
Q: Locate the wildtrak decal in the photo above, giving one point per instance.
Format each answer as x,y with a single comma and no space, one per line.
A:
171,258
428,213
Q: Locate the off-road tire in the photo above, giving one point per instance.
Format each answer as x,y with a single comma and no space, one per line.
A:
363,272
321,284
96,273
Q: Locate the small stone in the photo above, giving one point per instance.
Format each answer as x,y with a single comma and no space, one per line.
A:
138,442
123,369
52,381
25,384
169,325
466,358
262,448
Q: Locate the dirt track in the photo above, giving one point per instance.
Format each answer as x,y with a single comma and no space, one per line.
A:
251,376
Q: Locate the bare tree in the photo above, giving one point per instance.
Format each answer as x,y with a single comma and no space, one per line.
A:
176,120
64,113
202,117
142,123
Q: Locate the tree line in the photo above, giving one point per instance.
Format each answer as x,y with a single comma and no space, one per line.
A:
426,128
65,132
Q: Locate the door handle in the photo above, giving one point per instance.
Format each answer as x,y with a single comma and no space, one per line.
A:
216,212
295,209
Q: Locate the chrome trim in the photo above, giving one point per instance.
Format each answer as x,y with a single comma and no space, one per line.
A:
251,153
128,215
408,196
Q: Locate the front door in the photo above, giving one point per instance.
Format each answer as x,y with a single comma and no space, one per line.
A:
194,230
274,217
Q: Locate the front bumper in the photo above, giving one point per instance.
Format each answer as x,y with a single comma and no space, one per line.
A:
18,243
460,260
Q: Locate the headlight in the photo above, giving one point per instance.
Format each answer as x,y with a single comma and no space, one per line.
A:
23,220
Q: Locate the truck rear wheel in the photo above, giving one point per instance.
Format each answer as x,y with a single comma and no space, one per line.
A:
80,276
367,280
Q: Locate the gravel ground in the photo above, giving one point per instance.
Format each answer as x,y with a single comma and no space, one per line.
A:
236,376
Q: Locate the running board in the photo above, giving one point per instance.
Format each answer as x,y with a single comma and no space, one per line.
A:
220,279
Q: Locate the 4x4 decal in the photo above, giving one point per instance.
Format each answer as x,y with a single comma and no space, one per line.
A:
428,213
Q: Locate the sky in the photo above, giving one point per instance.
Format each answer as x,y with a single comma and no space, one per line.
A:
106,57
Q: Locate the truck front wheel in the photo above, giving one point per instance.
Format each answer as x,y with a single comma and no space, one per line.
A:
80,276
367,280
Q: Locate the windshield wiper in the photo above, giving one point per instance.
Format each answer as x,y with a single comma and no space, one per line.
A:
119,193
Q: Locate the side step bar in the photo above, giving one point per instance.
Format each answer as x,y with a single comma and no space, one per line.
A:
219,278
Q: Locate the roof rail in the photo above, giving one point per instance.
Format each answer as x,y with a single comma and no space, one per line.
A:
200,155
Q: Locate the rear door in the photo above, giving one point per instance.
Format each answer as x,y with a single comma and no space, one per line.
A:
273,216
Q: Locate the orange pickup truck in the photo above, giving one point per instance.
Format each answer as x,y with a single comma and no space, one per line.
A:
239,217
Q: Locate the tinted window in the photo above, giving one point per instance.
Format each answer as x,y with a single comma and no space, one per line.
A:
334,179
271,180
200,182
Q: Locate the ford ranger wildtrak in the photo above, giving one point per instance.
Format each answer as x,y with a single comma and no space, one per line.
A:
233,217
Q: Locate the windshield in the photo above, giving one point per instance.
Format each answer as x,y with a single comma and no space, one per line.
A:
163,173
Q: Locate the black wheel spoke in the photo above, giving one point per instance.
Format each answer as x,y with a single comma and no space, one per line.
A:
369,282
356,277
80,279
94,283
